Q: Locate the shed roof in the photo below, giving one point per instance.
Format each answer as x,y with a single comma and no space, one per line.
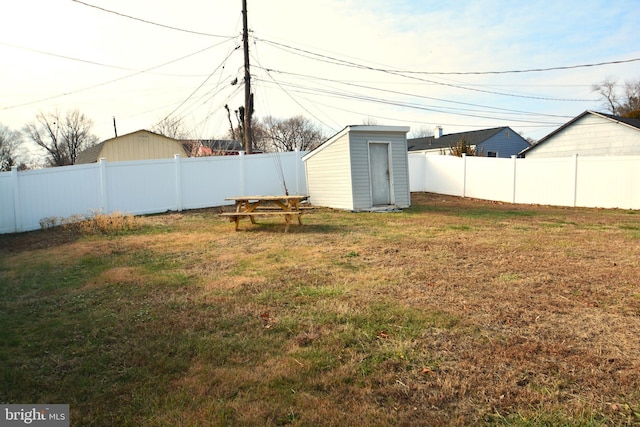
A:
474,137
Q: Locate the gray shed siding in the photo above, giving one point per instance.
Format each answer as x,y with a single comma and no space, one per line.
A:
505,143
400,195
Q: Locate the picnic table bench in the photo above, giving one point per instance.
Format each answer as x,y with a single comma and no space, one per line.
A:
254,206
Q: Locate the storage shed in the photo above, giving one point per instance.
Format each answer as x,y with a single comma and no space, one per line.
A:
361,168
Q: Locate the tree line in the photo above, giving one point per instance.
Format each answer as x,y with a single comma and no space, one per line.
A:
61,137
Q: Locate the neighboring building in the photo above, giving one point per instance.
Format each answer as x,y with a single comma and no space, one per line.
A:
590,134
212,147
139,145
495,142
360,168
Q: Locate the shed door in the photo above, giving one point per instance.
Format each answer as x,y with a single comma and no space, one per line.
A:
380,174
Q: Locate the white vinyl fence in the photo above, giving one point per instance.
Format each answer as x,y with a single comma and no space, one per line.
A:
604,182
143,187
153,186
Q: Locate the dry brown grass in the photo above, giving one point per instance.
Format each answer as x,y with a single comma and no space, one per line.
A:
454,312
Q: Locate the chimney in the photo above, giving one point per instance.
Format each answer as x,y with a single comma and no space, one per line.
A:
437,132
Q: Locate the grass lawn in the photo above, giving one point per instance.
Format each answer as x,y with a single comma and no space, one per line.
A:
453,312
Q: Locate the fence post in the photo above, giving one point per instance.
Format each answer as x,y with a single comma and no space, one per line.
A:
241,168
425,181
102,164
178,170
575,180
464,174
513,194
17,211
298,160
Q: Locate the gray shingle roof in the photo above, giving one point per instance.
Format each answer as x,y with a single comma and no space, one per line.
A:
90,155
445,141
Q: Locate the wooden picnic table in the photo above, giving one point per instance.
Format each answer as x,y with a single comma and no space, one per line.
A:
253,206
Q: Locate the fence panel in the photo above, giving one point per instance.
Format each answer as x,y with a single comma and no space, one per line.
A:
545,181
57,192
489,178
417,172
609,182
141,187
444,175
7,211
206,181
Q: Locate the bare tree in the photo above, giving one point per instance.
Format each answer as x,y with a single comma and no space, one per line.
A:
630,106
607,90
618,100
171,128
464,147
293,133
423,132
61,137
9,142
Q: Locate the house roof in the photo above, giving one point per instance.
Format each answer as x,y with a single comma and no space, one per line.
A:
90,155
355,128
632,123
474,137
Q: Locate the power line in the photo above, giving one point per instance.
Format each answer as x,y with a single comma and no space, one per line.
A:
365,98
200,86
402,73
87,61
531,70
110,81
147,21
412,94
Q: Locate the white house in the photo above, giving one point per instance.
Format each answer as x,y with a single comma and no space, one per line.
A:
360,168
590,134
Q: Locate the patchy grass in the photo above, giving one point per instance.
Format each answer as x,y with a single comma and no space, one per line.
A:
454,312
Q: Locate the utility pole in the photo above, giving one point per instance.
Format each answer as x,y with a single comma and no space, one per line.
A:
248,101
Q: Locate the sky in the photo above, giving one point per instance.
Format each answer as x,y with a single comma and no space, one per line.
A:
463,65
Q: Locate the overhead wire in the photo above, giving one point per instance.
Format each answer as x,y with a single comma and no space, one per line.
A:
287,88
170,27
295,100
395,92
530,70
332,60
365,98
155,67
199,86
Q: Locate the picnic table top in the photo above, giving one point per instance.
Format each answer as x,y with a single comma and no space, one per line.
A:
283,197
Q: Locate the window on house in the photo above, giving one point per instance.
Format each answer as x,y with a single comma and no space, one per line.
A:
492,154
